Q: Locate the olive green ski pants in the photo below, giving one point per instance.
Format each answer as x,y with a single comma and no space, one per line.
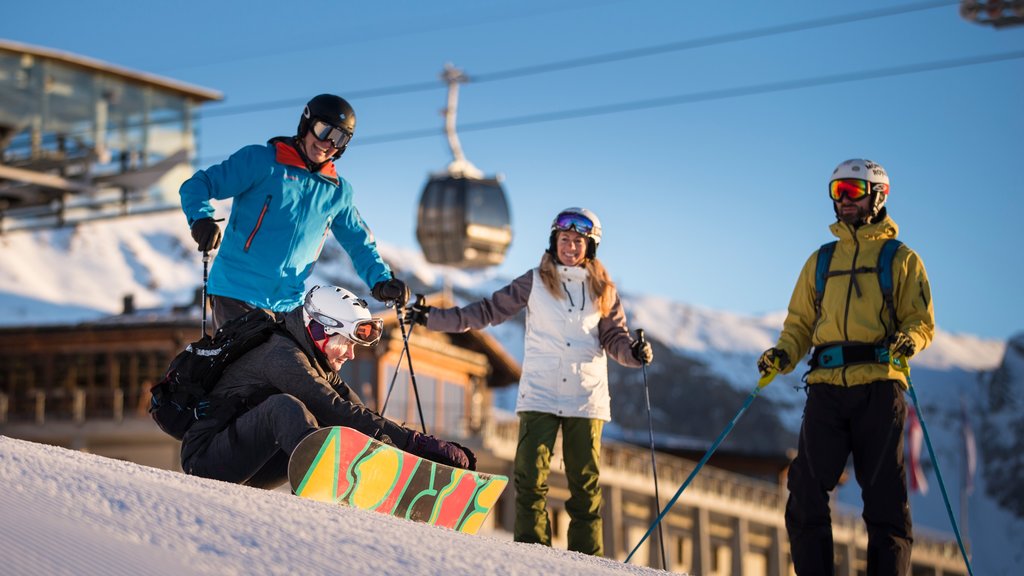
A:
581,450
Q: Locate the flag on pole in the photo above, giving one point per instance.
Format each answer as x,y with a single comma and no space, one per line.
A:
970,451
914,438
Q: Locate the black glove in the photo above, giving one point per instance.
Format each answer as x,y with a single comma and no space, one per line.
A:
440,451
642,351
393,290
206,233
772,360
417,312
901,346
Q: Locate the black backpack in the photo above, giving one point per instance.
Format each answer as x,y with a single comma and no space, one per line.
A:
179,399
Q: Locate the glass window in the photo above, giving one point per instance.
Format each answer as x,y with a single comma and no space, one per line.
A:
396,397
427,387
454,407
486,205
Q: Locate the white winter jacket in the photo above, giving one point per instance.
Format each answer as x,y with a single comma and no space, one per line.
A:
565,364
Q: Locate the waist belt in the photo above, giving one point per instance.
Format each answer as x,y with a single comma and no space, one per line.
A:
840,355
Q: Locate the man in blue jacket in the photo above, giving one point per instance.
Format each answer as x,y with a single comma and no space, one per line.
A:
286,196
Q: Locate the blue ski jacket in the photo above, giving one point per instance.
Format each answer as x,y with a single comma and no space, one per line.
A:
280,215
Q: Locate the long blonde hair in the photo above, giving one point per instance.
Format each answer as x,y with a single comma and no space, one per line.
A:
602,289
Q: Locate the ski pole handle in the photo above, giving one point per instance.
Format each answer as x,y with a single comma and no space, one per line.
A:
643,341
900,364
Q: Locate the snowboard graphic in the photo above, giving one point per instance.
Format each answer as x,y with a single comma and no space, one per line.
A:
345,466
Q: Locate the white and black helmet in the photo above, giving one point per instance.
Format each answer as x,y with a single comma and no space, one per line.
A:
582,221
333,310
871,172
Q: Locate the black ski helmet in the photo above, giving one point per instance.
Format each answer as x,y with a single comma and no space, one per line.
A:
332,109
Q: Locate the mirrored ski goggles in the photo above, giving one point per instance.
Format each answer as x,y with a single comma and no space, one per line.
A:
327,132
574,221
854,188
365,332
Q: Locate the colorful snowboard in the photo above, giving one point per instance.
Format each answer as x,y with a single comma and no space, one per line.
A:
345,466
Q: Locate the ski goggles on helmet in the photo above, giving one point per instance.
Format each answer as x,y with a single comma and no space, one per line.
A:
365,332
854,188
327,132
573,221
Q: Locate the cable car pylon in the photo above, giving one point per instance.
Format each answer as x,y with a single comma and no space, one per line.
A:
463,217
459,166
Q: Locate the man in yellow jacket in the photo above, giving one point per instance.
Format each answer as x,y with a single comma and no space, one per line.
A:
840,312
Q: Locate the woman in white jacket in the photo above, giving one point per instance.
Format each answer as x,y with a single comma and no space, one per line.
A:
574,321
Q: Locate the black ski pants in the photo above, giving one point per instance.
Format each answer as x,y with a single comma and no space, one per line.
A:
254,449
866,421
224,309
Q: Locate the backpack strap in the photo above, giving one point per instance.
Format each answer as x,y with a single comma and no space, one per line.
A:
821,276
883,267
885,259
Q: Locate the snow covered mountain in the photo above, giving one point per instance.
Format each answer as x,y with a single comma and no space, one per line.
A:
703,369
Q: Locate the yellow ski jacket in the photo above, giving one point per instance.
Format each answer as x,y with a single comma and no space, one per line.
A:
852,308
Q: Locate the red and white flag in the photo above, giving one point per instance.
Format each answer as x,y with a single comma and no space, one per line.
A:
914,438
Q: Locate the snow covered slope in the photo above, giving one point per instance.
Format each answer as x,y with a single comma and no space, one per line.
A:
68,512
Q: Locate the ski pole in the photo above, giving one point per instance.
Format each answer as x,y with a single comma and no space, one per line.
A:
707,455
391,387
902,365
408,358
654,462
206,277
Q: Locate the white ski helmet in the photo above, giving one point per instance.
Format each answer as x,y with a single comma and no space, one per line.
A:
335,310
582,221
873,173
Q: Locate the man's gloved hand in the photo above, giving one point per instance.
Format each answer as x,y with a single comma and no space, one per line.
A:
469,455
206,233
393,290
642,351
440,451
772,360
417,312
901,346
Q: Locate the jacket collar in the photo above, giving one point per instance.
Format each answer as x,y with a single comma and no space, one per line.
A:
285,153
294,324
884,229
572,273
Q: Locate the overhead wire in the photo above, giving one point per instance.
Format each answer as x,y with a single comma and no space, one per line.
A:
704,96
605,58
708,95
214,110
709,41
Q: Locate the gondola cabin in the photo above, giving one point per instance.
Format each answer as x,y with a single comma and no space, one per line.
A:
463,221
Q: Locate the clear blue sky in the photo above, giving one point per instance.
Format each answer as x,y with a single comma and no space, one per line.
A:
706,161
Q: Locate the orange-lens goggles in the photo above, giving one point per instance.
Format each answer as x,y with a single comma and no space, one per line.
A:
368,332
852,188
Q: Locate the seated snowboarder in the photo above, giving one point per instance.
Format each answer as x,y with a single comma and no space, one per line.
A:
274,396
